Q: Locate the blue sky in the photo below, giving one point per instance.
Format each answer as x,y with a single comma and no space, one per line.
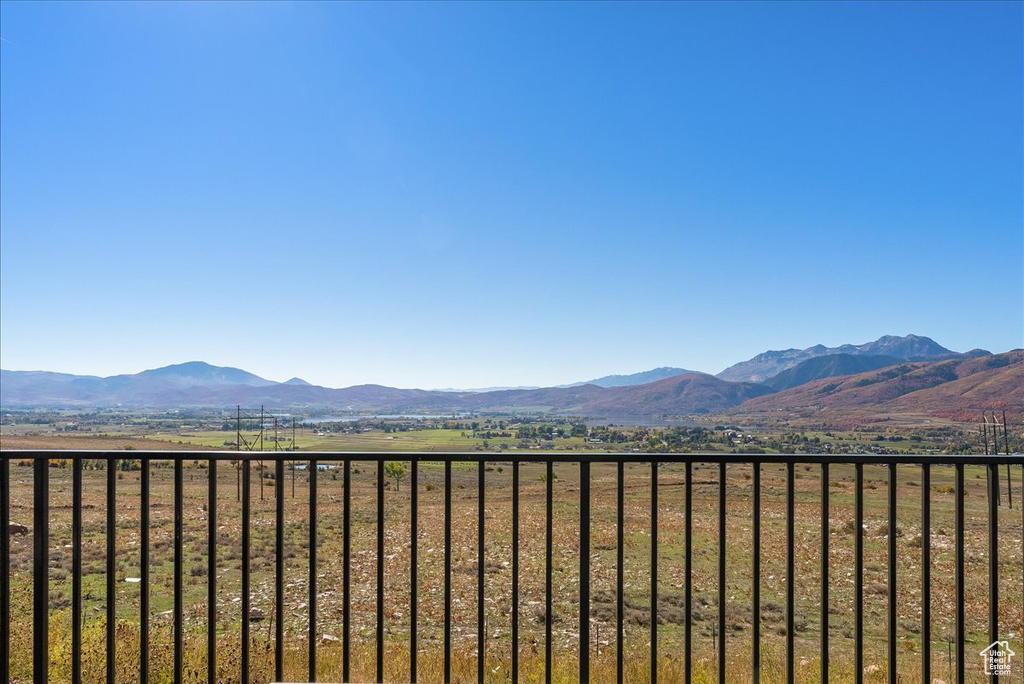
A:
470,194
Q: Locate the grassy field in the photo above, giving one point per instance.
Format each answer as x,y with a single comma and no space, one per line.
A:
376,440
435,439
306,440
498,571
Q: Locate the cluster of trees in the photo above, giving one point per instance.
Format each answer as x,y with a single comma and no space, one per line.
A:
539,432
123,464
475,425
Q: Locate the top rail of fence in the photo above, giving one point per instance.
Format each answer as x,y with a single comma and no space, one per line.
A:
518,457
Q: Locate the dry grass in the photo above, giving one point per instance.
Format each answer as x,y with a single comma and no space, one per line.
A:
498,572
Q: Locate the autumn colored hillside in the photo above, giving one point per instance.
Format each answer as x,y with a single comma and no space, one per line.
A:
958,389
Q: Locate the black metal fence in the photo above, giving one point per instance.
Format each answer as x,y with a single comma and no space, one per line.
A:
344,461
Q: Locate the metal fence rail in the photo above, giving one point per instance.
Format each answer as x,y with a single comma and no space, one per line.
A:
923,464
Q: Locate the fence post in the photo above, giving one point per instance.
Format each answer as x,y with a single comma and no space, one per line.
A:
41,572
584,572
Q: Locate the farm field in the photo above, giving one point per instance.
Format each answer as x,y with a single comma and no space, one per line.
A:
306,439
69,430
498,570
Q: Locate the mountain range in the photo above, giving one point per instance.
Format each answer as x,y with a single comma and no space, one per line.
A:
904,374
640,378
908,348
956,389
826,367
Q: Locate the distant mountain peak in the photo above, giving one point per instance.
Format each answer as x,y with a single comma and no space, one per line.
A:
202,373
768,364
632,379
297,381
186,368
908,346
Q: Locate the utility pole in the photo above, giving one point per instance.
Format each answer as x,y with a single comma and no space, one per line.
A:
1006,444
263,425
238,447
995,452
985,431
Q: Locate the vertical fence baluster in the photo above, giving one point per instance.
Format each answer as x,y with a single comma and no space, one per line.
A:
211,571
858,574
346,574
515,572
688,577
481,637
144,571
892,573
926,574
993,558
721,572
5,575
179,570
547,576
654,572
824,573
111,565
447,570
790,568
584,572
76,571
279,571
380,569
314,474
756,580
41,572
620,635
414,526
246,599
959,570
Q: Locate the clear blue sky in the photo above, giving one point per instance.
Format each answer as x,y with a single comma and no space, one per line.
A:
470,194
